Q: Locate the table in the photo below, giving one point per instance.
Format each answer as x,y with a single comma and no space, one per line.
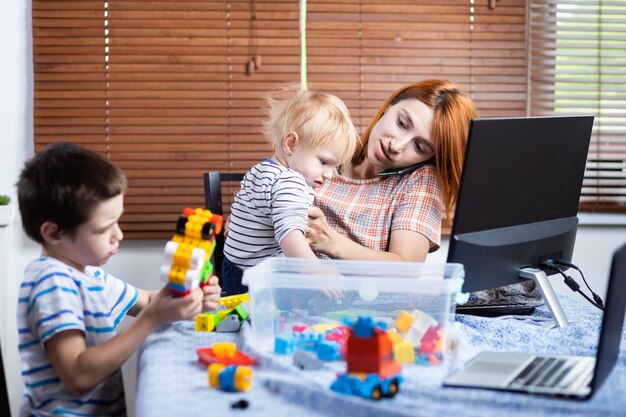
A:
172,383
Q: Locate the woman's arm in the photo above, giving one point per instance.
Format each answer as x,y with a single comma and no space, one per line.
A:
404,245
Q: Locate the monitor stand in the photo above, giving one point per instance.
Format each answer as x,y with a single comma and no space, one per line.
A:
547,292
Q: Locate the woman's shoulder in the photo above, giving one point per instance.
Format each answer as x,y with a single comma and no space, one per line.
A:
426,174
419,183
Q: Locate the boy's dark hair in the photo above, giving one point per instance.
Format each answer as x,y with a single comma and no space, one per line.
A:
62,184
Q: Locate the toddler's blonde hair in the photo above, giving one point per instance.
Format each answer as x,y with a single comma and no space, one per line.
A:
321,120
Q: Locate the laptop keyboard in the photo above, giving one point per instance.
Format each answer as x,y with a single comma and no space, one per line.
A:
546,372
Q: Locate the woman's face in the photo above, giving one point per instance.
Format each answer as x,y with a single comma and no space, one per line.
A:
402,137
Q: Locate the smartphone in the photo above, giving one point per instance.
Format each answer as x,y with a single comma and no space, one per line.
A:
405,170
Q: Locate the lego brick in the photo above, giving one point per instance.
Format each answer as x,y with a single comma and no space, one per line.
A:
233,301
229,323
206,322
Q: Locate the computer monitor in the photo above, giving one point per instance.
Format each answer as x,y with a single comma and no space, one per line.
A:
518,200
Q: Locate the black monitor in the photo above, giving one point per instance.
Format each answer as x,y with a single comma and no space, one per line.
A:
518,200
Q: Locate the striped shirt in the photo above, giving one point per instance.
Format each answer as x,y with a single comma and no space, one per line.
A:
368,211
55,297
272,201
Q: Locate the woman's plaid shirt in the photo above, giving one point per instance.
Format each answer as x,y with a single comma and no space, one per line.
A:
367,211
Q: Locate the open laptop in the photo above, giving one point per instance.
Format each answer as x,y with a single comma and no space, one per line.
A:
571,376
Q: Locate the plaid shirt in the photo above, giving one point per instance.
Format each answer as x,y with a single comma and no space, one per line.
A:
367,211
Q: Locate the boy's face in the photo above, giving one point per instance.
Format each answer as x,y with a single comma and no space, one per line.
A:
316,166
94,241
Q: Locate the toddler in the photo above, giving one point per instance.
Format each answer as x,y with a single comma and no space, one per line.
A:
311,134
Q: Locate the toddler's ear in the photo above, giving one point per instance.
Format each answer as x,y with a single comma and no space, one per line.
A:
289,142
50,232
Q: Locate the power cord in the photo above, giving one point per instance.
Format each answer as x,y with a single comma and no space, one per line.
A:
596,297
571,283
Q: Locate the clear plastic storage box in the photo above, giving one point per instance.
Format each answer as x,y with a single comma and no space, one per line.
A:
288,292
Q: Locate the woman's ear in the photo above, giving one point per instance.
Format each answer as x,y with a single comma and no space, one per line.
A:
50,233
289,142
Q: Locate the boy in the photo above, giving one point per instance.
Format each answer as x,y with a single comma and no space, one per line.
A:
70,201
311,134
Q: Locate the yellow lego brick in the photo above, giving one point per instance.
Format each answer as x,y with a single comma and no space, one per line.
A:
324,327
224,349
182,256
404,321
205,322
441,342
403,352
177,275
394,336
233,301
224,313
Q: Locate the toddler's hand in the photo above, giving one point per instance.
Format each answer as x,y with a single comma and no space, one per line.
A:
211,294
226,226
333,294
164,308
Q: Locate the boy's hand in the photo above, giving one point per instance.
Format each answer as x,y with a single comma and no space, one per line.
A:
163,308
211,294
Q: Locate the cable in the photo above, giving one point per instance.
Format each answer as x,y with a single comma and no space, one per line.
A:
572,284
596,297
569,281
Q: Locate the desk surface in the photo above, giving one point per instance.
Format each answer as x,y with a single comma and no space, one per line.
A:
172,383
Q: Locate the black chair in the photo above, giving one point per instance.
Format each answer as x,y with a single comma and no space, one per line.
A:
213,201
5,408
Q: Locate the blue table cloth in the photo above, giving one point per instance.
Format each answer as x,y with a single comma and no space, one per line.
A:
172,383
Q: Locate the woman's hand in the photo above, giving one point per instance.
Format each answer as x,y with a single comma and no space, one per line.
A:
320,236
404,245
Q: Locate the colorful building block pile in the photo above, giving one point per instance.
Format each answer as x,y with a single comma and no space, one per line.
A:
417,337
231,312
228,369
326,344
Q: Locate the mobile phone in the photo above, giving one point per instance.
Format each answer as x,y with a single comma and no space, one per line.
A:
405,170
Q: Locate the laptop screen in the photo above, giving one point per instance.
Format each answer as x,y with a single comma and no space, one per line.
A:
612,321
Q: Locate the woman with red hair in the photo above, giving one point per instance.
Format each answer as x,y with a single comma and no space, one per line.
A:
388,202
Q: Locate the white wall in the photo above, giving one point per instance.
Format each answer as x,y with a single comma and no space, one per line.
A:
16,127
138,261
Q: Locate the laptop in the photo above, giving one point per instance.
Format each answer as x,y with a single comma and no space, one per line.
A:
568,376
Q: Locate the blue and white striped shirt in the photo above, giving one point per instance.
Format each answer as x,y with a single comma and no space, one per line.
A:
55,297
273,200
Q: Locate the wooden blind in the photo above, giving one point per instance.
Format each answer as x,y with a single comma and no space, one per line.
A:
577,60
165,88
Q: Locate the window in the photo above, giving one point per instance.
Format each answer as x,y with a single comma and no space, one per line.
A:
166,91
577,55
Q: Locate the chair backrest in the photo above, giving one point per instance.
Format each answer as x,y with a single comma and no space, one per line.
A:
5,407
213,201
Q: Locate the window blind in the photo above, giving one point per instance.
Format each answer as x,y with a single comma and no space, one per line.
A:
577,55
171,89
